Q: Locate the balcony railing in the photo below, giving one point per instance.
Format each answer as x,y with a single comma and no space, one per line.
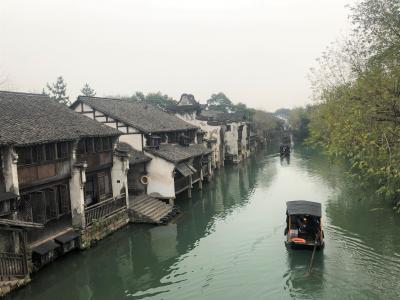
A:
181,184
205,169
104,209
13,265
196,176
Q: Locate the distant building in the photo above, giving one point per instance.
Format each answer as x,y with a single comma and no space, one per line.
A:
229,135
188,109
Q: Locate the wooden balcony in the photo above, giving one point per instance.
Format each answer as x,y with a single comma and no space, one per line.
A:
13,265
104,209
96,160
196,176
38,173
205,169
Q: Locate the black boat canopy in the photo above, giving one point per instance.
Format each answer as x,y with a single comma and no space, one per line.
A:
303,207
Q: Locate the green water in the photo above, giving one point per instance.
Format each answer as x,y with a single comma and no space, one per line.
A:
229,243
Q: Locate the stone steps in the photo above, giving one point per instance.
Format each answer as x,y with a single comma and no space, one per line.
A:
146,209
9,284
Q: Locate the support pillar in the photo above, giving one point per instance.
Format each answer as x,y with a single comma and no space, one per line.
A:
119,174
77,195
201,179
190,187
10,170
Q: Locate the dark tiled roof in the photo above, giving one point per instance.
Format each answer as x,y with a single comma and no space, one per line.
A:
135,156
33,119
224,117
177,153
144,117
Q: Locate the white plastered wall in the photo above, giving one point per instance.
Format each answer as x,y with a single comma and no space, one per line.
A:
231,139
161,180
212,132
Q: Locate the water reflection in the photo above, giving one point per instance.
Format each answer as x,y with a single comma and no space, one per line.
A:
298,281
229,243
285,160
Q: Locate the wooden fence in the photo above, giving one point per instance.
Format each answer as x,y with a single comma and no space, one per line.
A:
13,265
104,209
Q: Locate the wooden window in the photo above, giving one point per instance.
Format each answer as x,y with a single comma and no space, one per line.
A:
25,208
153,141
98,145
90,190
89,146
62,150
37,154
50,151
51,204
38,207
107,145
64,203
81,146
228,127
103,179
24,155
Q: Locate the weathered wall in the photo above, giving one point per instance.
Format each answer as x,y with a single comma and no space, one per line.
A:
2,182
77,197
134,174
119,174
10,170
161,179
134,140
212,132
245,141
231,139
101,229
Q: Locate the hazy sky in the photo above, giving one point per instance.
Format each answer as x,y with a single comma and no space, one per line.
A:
257,52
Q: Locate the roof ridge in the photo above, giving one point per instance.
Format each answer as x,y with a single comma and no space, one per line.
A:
103,98
24,93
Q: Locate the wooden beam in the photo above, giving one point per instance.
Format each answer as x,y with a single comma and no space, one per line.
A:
19,223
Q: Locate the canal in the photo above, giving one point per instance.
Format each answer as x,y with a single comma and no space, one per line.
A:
229,243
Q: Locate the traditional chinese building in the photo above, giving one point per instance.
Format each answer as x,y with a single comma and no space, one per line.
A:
235,130
189,110
60,175
177,159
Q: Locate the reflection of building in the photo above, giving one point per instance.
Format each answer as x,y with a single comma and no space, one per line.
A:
64,171
163,242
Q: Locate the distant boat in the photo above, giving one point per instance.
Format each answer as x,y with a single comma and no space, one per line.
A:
284,150
303,224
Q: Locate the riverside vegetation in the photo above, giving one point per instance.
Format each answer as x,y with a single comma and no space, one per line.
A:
356,115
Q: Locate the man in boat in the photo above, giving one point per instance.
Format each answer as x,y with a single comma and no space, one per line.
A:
303,220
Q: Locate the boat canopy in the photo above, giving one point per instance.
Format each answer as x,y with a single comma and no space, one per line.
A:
303,207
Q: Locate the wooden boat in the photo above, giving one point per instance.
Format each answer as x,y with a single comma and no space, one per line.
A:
284,150
303,224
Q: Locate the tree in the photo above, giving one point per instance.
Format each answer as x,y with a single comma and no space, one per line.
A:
358,92
58,90
137,97
159,100
220,102
88,91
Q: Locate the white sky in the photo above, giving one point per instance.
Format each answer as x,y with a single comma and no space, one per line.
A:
257,52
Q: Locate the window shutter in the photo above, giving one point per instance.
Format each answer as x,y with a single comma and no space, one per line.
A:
65,203
38,207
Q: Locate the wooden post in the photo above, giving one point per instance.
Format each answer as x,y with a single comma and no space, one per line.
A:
190,187
201,179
